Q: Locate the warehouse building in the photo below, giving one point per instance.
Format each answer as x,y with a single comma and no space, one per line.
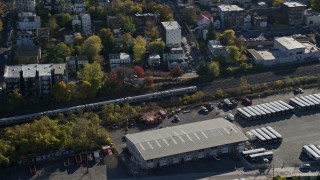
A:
186,142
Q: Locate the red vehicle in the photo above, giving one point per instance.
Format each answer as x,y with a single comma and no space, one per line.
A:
246,102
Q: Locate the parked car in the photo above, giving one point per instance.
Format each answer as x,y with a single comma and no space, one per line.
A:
204,110
246,102
230,117
176,118
298,91
305,166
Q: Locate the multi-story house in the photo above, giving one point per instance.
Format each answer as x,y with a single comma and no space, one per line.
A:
59,73
215,49
294,12
26,6
171,33
25,38
29,80
184,3
119,59
34,79
311,17
232,16
86,24
175,57
45,81
12,76
76,63
28,21
154,60
243,3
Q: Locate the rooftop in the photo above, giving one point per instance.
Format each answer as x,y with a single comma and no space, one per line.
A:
215,44
154,56
169,25
29,70
291,4
12,71
59,68
226,7
289,43
44,69
309,48
185,138
310,12
270,55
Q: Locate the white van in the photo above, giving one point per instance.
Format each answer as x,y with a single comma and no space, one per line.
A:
230,117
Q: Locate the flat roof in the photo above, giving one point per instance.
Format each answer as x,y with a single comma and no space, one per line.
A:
29,70
59,68
44,69
185,138
309,48
294,4
227,7
267,54
289,43
12,71
169,25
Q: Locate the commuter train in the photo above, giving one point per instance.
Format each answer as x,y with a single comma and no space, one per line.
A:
97,105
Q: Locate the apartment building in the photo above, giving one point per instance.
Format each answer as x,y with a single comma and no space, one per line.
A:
171,33
26,6
294,12
28,21
232,16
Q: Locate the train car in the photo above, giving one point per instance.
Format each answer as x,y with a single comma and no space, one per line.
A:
144,97
20,119
174,92
98,105
73,109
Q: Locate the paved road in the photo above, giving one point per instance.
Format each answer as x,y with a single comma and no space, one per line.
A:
234,82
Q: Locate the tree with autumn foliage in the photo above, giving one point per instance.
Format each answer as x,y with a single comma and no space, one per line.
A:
176,72
139,48
61,92
139,71
148,81
91,47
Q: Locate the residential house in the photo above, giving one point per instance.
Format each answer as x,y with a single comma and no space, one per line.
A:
242,3
286,50
12,76
79,6
26,6
28,21
59,72
154,60
247,22
34,79
103,3
43,37
294,12
25,38
175,57
204,19
260,22
86,24
76,63
28,54
171,33
215,49
232,16
76,23
146,19
119,59
311,17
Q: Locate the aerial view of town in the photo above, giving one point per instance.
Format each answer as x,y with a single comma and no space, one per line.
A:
160,89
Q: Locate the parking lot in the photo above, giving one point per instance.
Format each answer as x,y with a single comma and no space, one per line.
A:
297,130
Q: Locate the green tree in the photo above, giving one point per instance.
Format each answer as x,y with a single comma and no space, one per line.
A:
78,41
315,4
227,37
211,35
129,25
153,33
189,15
107,39
16,99
93,74
1,25
215,1
91,47
4,161
53,24
56,53
139,48
235,53
84,90
63,19
218,93
176,72
277,3
127,41
166,13
214,68
203,69
156,47
61,92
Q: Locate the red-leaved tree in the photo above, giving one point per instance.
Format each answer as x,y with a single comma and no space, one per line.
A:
139,71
